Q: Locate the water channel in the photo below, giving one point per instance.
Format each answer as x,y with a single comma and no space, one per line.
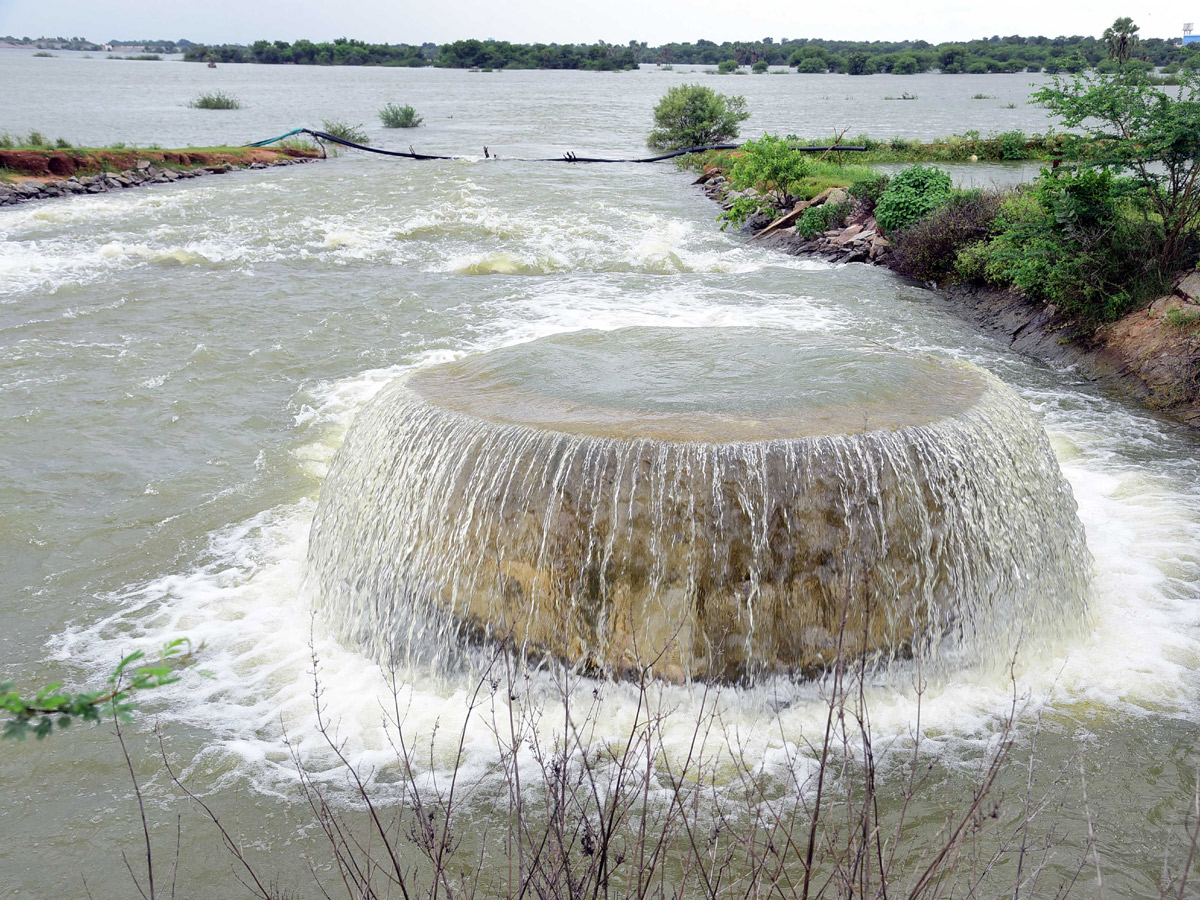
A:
180,363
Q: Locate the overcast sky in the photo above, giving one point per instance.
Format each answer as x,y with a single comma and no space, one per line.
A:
570,21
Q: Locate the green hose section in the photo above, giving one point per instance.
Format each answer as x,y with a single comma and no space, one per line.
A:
274,139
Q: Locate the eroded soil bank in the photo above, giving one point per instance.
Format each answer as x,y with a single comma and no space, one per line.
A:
42,174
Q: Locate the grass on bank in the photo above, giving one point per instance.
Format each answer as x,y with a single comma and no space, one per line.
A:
35,140
216,100
970,146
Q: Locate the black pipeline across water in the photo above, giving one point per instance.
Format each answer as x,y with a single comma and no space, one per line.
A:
566,157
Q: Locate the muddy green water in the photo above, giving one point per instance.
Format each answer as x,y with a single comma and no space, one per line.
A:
178,364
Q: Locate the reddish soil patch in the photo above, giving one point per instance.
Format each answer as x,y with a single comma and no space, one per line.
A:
29,162
63,164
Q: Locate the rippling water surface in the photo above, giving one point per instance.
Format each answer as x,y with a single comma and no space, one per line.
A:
178,363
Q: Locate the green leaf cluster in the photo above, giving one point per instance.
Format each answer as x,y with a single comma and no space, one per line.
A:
691,115
770,166
393,115
910,196
51,707
1130,126
868,190
817,219
1080,241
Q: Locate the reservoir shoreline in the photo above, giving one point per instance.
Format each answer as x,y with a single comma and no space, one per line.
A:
43,175
1142,355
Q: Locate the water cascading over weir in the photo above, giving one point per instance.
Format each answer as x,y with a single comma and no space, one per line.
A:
709,503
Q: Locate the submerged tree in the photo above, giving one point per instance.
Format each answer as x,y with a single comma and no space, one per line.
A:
691,115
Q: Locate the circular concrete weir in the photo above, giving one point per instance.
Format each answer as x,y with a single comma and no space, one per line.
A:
705,503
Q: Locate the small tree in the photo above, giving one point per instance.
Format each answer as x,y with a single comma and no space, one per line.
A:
1121,38
1132,126
691,115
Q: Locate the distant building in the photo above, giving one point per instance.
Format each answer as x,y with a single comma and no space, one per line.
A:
1191,39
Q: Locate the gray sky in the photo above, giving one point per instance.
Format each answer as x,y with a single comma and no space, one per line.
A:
568,21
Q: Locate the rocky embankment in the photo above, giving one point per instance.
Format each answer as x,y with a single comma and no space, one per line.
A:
39,175
1152,355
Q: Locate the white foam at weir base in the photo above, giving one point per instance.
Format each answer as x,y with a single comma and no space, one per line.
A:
1140,655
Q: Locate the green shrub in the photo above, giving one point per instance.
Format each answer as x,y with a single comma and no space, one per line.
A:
37,139
868,190
395,116
216,100
691,115
345,131
727,66
928,249
1081,242
1012,145
910,196
760,67
771,167
817,219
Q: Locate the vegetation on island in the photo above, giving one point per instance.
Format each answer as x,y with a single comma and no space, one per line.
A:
393,115
216,100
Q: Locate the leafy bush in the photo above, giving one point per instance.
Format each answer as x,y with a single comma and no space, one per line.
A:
760,67
1012,144
1082,242
928,249
395,116
727,66
771,167
817,219
910,196
691,115
345,131
868,190
1159,149
216,100
812,65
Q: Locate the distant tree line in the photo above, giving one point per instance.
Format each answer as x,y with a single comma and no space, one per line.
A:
468,54
156,45
994,54
986,55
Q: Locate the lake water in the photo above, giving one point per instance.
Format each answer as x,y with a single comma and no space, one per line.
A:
178,364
